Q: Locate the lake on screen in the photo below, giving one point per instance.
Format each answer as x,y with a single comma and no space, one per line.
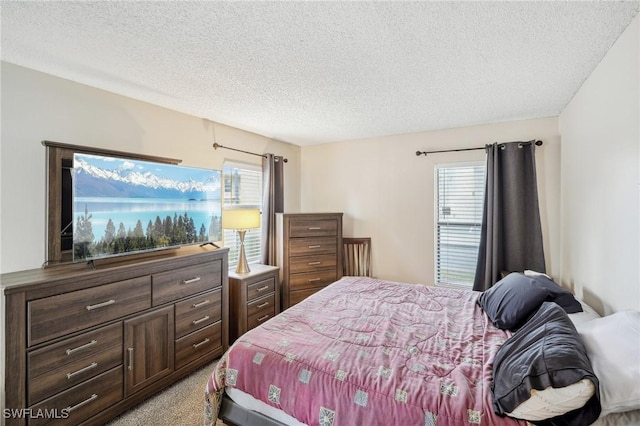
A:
128,211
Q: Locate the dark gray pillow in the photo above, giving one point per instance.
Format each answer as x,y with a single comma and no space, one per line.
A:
561,296
511,301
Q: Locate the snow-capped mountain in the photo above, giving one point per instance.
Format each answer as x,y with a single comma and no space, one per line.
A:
90,180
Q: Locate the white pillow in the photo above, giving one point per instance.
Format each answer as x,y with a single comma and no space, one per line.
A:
530,273
553,402
587,314
613,346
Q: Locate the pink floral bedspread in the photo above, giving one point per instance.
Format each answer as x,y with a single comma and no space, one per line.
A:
364,352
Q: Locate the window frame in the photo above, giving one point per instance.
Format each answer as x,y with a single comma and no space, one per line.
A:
437,223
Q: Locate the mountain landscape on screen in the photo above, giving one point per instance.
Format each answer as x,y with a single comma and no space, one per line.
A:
142,180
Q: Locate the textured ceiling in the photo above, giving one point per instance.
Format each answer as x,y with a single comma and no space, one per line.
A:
312,72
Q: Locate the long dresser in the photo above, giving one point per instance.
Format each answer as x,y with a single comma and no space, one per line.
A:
84,344
309,253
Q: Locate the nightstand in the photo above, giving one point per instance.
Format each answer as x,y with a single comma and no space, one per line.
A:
253,298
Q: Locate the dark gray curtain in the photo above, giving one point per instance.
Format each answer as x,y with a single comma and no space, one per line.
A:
511,236
272,203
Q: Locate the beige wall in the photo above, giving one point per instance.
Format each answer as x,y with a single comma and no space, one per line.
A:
387,192
37,106
601,181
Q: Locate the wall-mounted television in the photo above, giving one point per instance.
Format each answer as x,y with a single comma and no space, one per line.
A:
125,206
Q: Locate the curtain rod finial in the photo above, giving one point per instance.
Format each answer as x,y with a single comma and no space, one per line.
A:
216,145
419,153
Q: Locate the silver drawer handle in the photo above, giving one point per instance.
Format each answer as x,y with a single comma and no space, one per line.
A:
86,401
130,350
197,305
82,370
261,289
192,280
197,345
262,305
313,279
315,247
206,317
79,348
315,228
314,263
100,305
263,318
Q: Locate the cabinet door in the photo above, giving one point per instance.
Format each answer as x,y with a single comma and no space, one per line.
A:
149,354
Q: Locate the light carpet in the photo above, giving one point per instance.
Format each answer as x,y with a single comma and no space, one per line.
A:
182,403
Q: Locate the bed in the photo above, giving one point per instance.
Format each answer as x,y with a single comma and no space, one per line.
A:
370,351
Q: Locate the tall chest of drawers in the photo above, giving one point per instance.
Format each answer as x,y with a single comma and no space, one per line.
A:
309,253
85,344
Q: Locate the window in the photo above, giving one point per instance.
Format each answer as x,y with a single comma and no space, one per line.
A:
459,200
242,189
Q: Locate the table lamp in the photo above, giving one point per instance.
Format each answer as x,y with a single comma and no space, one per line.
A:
241,220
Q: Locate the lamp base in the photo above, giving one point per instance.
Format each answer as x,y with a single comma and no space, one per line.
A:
243,265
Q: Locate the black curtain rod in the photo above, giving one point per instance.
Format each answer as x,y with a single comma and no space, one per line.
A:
419,153
216,145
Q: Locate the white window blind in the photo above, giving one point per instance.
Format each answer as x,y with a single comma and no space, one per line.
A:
242,189
459,200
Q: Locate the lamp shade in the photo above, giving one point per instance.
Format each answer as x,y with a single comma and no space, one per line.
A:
241,218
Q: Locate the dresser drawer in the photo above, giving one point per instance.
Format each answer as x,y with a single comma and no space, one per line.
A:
173,285
69,312
60,366
82,401
197,312
195,345
264,304
312,246
312,263
311,279
261,288
261,315
298,296
313,228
